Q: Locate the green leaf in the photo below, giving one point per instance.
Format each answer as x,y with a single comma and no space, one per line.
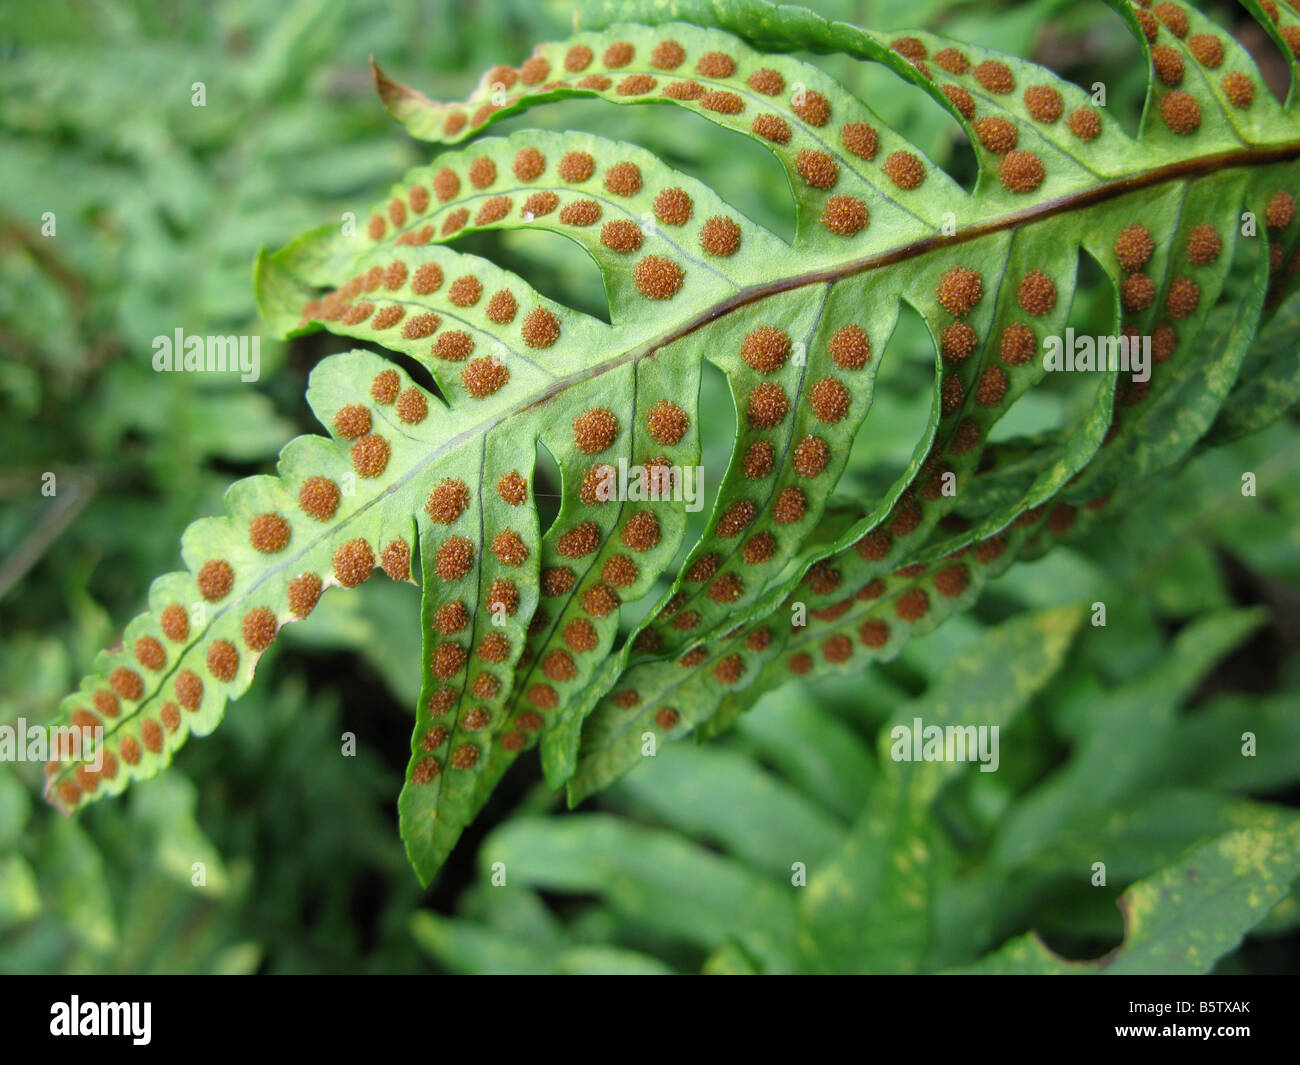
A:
869,908
652,877
1184,918
1126,730
74,890
814,750
466,947
719,796
20,898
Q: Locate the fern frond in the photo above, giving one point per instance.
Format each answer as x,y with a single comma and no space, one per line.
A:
1192,221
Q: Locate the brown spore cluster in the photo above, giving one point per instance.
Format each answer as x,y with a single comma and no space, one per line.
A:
959,290
904,169
657,278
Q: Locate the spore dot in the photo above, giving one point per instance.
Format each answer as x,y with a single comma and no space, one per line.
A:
1168,64
454,346
453,558
1134,246
817,168
667,718
509,548
688,89
494,648
702,569
719,236
1018,344
1036,293
641,532
1174,18
483,377
1207,49
258,629
957,342
904,169
303,593
385,386
600,601
502,307
951,60
667,422
1182,298
1044,103
1021,171
729,670
767,405
352,421
370,455
482,172
174,622
1181,112
1137,292
577,58
557,580
667,55
595,430
959,289
811,455
215,579
995,76
961,100
126,683
451,618
1203,245
837,649
790,506
992,387
622,236
657,278
758,549
812,107
912,605
873,633
724,103
149,653
1084,123
465,291
860,139
223,660
619,54
773,128
909,47
353,563
1280,211
579,541
737,518
623,179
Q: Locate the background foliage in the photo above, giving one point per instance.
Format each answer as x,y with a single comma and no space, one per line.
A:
1113,745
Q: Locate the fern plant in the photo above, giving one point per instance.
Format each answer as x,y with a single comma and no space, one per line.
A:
1192,220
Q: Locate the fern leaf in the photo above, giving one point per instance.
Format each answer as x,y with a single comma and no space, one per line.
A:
1192,221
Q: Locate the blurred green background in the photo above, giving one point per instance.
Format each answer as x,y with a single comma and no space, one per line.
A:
159,207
